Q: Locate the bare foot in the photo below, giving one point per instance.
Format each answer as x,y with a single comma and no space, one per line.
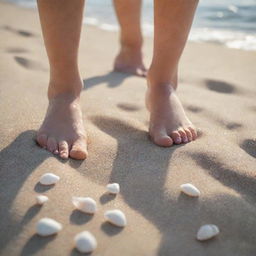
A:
168,121
62,131
130,61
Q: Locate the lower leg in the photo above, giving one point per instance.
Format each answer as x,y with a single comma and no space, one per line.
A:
62,131
129,58
168,121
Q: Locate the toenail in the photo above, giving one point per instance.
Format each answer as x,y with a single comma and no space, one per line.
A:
178,140
185,140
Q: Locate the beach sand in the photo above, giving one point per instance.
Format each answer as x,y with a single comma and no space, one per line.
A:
217,87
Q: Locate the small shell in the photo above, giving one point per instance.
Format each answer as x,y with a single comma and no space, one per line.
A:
41,199
190,190
206,232
85,204
113,188
47,227
49,179
116,217
85,242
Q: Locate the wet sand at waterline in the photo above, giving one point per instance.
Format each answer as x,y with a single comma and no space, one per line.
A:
217,87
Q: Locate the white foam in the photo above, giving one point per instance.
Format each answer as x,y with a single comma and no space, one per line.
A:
101,14
232,39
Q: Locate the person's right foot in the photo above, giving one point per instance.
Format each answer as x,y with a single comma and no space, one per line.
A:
62,131
130,61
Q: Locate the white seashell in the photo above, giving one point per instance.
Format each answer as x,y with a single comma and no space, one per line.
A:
47,227
85,204
206,232
116,217
85,242
41,199
113,188
190,190
49,179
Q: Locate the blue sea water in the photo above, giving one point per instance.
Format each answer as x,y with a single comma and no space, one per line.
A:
228,22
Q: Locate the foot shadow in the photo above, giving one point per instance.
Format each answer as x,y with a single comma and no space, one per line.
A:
220,86
113,79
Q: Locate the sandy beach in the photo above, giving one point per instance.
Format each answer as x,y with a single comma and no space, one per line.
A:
217,87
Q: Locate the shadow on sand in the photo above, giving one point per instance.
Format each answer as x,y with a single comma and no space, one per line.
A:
141,169
113,79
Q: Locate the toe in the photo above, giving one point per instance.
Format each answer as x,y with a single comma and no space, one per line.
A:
52,145
183,135
188,133
160,137
63,149
141,72
79,150
42,140
193,132
176,137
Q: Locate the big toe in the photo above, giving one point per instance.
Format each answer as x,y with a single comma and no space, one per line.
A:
162,139
79,150
142,72
41,139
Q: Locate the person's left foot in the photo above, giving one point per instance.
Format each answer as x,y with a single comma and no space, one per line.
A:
168,122
130,61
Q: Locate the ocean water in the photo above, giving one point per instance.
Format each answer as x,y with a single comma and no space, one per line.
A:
228,22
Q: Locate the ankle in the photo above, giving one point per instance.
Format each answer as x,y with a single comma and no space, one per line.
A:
131,48
156,79
70,88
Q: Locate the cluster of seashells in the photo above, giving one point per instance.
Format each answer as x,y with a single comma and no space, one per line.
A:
85,242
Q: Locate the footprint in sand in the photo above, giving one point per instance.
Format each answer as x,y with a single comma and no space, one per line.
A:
16,50
20,32
220,86
233,126
194,109
128,107
249,146
29,64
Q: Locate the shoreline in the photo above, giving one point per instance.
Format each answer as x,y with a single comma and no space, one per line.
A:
241,40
